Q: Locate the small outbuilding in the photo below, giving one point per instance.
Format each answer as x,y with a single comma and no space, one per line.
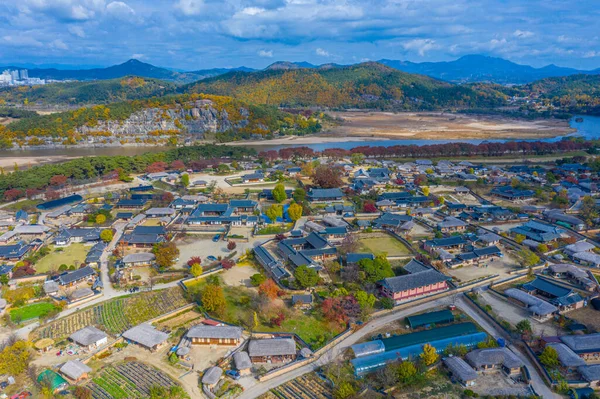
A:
242,362
461,370
89,337
75,370
273,350
212,376
495,358
146,336
215,335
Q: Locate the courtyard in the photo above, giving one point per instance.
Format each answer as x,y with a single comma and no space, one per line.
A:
380,243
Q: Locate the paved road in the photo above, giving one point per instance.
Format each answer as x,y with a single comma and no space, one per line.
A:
108,290
262,387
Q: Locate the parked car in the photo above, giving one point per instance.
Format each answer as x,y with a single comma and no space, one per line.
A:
22,395
211,258
216,238
233,374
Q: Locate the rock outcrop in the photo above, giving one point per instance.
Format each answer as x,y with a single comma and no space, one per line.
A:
192,119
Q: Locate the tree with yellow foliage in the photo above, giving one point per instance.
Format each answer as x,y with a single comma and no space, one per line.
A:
429,355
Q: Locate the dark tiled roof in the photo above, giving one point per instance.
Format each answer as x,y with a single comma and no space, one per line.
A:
412,281
76,275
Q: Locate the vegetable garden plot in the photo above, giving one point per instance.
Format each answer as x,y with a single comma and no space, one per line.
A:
130,380
308,386
115,316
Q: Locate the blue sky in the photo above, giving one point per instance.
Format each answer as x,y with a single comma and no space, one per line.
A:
198,34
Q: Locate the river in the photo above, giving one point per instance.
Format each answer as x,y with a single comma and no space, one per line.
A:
588,128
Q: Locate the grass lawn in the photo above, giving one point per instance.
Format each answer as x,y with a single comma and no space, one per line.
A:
32,311
275,229
151,222
74,254
379,244
25,204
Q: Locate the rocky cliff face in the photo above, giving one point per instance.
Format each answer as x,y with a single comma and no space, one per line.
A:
192,119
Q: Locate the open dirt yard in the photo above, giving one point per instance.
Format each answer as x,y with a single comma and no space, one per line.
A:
498,384
502,226
588,316
500,266
202,245
239,275
420,232
440,125
514,314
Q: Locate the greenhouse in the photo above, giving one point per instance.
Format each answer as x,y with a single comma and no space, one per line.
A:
368,348
426,319
367,364
454,330
44,206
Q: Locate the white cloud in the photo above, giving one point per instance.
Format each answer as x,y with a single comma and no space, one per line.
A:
190,7
253,10
265,53
421,46
138,56
120,10
591,54
21,40
77,31
68,10
322,52
59,45
523,34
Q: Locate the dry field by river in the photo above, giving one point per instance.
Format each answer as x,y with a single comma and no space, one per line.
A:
440,126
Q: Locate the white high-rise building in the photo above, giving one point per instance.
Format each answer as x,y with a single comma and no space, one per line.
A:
24,74
15,75
5,78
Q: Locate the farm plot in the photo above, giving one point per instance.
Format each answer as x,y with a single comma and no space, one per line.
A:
308,386
130,380
115,316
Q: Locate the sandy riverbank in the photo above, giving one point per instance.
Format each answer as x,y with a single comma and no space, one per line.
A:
301,140
8,163
366,126
440,126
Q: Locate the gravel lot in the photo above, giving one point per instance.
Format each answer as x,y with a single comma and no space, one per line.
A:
202,245
500,266
514,314
498,384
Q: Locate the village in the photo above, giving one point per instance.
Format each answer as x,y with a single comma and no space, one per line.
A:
307,275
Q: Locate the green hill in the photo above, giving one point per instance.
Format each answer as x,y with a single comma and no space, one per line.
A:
367,85
94,92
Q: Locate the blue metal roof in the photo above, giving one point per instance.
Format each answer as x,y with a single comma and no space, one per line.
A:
367,364
60,202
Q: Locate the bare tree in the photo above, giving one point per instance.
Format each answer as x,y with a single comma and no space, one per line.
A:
349,244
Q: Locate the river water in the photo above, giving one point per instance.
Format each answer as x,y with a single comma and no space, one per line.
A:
588,128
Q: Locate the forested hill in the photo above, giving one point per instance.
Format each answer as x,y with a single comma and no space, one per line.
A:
94,92
158,120
367,85
574,94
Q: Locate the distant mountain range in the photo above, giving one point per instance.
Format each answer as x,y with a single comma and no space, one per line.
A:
467,69
479,68
132,67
